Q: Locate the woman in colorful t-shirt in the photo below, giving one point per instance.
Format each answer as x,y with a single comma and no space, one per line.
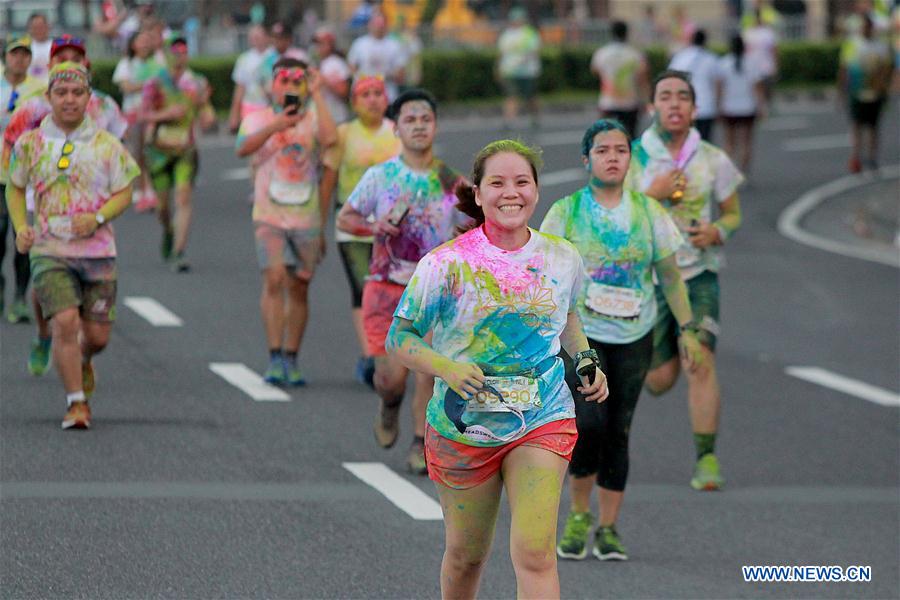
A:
622,236
500,302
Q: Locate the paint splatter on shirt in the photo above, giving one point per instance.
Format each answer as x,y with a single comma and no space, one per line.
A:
432,218
357,149
285,183
503,310
99,167
619,247
711,177
163,91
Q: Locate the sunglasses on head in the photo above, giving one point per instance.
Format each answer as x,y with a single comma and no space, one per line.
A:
294,76
67,40
64,161
12,101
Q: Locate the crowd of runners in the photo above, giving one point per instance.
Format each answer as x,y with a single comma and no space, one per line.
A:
528,348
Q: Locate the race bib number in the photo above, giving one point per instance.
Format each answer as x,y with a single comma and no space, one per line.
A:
61,227
687,256
291,193
612,301
171,136
401,271
519,392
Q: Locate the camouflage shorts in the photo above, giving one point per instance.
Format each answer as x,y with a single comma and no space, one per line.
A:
89,283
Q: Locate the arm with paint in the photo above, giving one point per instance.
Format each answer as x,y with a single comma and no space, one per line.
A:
706,234
332,157
15,203
351,221
18,175
573,341
86,224
326,130
406,344
122,170
664,185
730,220
256,140
354,214
676,294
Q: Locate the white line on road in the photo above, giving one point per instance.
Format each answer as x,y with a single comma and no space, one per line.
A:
154,312
785,123
860,389
246,380
789,220
236,174
402,493
818,142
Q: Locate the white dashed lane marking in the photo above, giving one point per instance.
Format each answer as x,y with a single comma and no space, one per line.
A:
399,491
853,387
245,379
154,312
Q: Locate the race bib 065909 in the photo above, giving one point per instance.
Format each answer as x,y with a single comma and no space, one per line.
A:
518,391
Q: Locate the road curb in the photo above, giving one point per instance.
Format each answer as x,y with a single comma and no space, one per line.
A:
790,218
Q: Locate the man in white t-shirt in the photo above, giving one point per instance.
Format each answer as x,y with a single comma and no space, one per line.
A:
39,30
624,83
377,54
701,64
249,95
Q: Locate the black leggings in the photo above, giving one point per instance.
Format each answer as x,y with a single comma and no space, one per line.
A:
20,261
603,428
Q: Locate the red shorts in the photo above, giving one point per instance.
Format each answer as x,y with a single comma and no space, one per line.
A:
461,467
379,301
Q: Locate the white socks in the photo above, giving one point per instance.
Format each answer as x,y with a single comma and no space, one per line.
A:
75,397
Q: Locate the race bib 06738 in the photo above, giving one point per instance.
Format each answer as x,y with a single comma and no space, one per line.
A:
613,301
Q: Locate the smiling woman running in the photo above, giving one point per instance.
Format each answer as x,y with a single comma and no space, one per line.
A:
500,300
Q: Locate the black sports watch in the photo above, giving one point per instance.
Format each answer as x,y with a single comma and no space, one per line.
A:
689,326
590,370
591,354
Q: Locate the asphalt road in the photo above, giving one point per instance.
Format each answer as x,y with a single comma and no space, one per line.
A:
188,488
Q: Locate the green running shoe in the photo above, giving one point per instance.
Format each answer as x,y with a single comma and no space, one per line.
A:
293,375
179,263
39,357
574,542
706,474
275,374
607,545
18,312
